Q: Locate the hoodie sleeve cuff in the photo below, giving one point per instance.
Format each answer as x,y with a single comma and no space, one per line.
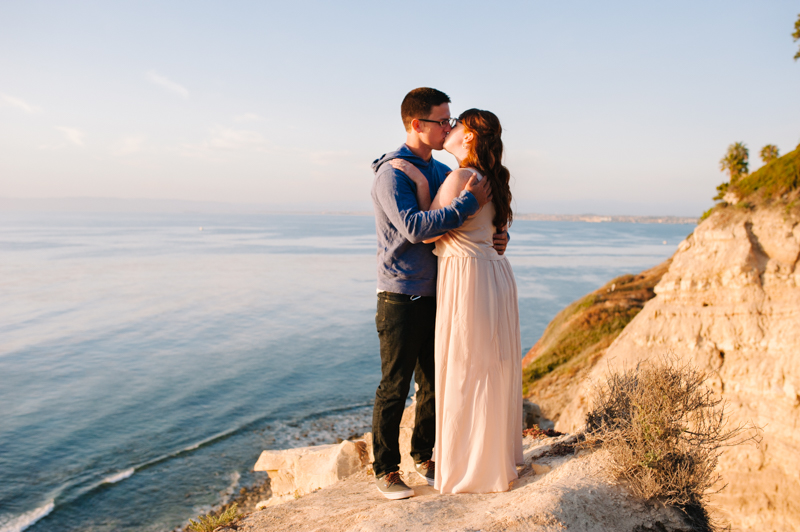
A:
466,204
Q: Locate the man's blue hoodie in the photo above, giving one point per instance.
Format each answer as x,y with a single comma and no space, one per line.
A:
405,264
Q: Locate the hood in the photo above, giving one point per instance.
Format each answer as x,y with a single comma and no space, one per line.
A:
401,153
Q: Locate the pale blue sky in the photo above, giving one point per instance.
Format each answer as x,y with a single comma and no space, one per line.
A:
608,107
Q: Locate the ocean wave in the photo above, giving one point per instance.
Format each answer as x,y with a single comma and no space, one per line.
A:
319,429
228,493
116,477
203,443
21,522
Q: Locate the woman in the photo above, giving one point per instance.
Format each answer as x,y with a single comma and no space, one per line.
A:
478,351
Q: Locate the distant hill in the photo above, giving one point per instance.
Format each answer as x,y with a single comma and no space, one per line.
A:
599,218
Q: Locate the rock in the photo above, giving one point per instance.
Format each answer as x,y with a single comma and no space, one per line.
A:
274,501
730,303
296,472
540,469
532,415
731,198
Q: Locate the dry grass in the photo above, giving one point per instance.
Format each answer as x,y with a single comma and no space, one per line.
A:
537,433
665,432
579,335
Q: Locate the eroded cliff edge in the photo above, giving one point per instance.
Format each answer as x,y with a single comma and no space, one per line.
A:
727,301
730,302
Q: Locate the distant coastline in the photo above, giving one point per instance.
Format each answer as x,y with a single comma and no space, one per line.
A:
170,206
596,218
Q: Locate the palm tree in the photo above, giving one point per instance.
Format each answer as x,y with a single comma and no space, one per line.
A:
735,161
796,36
769,153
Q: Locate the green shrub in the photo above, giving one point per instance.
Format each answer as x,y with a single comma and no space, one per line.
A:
208,523
771,180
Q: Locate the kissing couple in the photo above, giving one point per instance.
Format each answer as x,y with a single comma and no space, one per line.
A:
447,304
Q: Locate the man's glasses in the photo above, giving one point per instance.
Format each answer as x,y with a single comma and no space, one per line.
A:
451,121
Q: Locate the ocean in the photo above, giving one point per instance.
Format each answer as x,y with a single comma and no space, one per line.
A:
146,360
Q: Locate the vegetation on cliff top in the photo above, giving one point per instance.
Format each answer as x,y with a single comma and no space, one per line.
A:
580,334
779,177
777,183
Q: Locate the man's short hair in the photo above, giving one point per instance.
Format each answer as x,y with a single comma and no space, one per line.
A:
419,102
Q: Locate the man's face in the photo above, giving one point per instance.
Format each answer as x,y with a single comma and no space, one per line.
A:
433,134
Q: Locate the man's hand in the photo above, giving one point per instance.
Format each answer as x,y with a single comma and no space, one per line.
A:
500,241
482,190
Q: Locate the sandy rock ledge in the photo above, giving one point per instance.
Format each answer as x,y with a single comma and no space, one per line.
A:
555,492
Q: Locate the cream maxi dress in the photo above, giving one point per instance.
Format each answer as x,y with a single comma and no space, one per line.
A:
478,363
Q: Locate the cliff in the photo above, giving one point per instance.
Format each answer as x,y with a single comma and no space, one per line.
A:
730,303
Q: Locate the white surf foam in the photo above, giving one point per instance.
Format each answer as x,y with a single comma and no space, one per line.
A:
116,477
318,430
227,493
21,522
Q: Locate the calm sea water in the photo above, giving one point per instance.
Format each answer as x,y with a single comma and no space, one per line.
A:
145,363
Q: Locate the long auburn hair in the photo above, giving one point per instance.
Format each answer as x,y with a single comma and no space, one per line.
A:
486,155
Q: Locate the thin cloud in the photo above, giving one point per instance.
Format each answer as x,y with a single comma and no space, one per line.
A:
128,146
168,84
73,135
226,140
247,117
329,157
20,104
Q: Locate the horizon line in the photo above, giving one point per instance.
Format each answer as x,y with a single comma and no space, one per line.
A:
262,208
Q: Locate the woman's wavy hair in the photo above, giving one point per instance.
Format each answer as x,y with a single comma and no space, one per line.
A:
486,155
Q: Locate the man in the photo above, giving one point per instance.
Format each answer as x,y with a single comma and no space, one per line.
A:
406,316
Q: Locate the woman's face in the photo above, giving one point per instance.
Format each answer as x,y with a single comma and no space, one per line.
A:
456,141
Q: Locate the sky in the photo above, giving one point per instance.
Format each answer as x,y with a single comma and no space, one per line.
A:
607,107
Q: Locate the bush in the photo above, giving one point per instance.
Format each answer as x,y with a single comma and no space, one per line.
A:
210,522
664,431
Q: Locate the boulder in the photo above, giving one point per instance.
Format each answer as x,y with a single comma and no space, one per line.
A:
296,472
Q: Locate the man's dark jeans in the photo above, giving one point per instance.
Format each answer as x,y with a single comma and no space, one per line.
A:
406,326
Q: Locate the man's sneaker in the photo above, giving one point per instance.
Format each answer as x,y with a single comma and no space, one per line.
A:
391,485
427,470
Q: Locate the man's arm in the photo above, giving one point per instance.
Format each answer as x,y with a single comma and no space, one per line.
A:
456,183
396,194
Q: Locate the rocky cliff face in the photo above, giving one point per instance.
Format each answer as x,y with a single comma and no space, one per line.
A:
730,303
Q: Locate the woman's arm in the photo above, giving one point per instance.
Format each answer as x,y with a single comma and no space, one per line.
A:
423,188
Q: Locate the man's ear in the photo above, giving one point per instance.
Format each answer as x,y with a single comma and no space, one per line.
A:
415,126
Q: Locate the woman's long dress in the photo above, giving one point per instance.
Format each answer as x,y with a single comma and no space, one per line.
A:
478,363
